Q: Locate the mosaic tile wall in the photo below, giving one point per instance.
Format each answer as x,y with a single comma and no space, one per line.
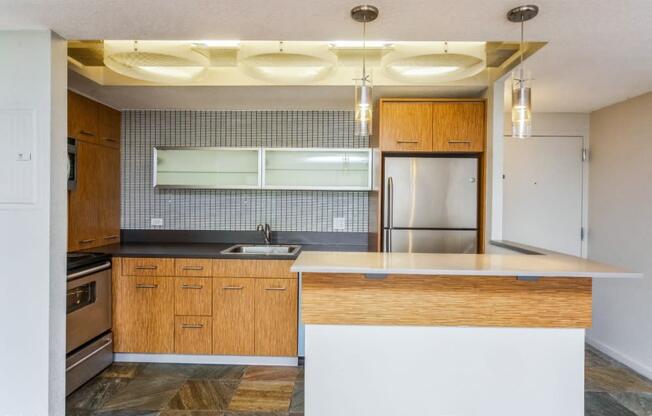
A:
234,209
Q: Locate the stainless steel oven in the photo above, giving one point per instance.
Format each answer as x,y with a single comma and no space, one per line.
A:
89,342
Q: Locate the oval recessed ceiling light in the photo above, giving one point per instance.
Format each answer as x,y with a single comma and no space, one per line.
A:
288,64
155,61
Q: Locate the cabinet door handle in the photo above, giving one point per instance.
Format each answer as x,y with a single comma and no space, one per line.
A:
192,287
145,286
276,288
232,287
88,241
110,237
459,141
197,268
86,133
192,326
146,267
108,139
407,141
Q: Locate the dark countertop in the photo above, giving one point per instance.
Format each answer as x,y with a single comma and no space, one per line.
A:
205,250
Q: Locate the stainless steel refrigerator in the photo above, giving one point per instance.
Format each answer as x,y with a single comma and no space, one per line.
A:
430,204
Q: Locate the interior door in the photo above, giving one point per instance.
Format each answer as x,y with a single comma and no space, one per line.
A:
434,192
542,193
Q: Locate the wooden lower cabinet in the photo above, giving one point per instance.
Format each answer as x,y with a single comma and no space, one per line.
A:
143,313
276,317
233,316
155,311
193,334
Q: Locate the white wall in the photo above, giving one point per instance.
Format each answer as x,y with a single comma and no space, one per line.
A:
33,236
620,229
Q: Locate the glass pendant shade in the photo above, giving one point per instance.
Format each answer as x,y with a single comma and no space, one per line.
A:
521,105
363,107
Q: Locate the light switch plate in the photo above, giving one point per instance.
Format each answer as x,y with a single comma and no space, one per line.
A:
339,223
156,222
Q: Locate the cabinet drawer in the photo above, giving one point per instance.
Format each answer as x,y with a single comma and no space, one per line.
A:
192,267
253,268
193,335
276,317
147,267
193,296
233,316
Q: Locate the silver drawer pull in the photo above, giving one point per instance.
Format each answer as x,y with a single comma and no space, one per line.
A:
110,237
192,287
407,141
86,133
233,287
193,268
146,267
144,286
459,141
276,288
192,326
88,241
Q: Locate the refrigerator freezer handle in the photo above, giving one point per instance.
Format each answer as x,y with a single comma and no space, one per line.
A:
390,213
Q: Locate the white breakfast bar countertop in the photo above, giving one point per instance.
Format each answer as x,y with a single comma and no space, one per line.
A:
544,265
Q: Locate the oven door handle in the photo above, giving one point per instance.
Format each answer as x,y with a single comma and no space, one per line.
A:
89,356
96,269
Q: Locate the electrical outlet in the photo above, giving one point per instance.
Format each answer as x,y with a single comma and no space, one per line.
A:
157,222
339,223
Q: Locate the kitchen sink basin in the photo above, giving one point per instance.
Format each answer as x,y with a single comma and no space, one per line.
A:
262,250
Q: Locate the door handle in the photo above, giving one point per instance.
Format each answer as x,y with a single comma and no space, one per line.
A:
459,141
145,286
86,133
407,141
192,326
276,288
232,287
192,287
390,212
196,268
146,267
87,241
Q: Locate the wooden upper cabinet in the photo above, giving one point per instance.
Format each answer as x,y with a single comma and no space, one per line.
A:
83,118
109,126
276,317
405,126
458,126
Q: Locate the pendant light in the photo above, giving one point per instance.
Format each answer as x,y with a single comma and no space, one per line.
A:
363,88
521,80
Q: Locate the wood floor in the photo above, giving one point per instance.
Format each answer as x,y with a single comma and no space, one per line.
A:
211,390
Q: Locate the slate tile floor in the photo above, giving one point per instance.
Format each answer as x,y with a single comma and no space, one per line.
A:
126,389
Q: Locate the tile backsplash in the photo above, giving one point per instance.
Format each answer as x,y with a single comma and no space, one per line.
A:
191,209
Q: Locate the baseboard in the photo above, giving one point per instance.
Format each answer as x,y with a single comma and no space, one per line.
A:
617,355
205,359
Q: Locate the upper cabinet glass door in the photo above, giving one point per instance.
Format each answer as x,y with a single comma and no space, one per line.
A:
321,169
207,167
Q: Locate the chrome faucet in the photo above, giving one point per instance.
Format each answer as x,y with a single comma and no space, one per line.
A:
267,232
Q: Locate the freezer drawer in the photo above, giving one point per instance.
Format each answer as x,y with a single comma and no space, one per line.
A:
431,241
431,192
90,360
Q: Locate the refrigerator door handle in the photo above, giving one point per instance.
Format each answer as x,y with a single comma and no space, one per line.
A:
390,212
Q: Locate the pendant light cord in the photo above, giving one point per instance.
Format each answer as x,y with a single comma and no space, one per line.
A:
364,52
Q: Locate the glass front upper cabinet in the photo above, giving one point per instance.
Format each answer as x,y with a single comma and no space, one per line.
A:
317,168
207,167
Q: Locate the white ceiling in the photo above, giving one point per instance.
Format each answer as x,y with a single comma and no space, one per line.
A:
599,51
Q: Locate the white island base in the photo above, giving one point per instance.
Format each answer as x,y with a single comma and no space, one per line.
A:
357,370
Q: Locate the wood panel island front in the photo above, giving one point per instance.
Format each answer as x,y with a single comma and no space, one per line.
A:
446,334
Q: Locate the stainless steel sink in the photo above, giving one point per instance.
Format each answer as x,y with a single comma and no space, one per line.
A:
262,250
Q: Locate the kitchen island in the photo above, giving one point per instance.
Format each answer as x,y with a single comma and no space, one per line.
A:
446,334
